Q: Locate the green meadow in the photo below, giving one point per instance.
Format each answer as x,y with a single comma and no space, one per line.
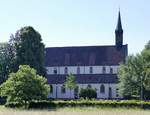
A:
75,111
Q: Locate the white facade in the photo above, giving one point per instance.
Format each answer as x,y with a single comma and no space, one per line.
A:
57,88
83,69
69,94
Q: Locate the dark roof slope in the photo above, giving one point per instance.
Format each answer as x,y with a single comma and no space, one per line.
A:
84,78
84,55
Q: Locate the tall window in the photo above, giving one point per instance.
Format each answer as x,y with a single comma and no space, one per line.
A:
51,89
55,71
117,70
104,70
111,70
91,70
63,89
66,70
102,89
76,92
117,95
78,70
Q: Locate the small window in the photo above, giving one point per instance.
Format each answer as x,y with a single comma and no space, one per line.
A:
89,86
104,70
51,89
66,70
91,70
102,89
78,70
63,89
111,70
55,71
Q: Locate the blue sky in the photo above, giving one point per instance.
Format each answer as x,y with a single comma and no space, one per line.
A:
78,22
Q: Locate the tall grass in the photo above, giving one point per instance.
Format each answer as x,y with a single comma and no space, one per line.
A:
76,111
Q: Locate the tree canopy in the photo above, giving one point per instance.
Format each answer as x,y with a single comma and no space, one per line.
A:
29,49
24,86
70,82
134,75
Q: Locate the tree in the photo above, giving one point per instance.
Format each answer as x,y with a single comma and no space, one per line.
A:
24,86
6,61
70,83
134,75
29,49
88,93
129,85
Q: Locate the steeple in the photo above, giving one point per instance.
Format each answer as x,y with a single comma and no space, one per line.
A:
119,25
119,33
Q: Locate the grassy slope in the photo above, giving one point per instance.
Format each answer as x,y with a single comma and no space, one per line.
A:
76,111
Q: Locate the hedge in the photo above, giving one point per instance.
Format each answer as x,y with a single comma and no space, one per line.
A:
93,103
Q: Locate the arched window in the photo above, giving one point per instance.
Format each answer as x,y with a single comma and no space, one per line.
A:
104,70
78,70
66,70
111,70
51,89
76,92
63,89
91,70
89,86
102,89
117,95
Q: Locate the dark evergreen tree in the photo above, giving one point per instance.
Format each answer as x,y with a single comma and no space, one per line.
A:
6,61
29,49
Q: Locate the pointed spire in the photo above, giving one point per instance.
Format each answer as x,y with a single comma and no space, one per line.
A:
119,33
119,25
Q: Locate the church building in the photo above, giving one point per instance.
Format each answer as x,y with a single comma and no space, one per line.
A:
92,66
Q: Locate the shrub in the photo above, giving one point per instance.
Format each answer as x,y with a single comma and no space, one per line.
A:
88,93
24,86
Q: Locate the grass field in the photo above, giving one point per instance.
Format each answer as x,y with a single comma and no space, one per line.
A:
76,111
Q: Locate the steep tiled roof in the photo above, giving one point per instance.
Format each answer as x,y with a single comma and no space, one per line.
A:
84,55
84,78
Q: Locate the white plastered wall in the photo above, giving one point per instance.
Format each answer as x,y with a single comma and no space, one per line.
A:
83,69
70,93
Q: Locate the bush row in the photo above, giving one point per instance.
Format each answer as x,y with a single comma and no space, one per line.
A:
93,103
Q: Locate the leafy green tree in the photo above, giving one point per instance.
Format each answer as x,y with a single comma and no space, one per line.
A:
88,92
29,49
24,86
6,61
70,82
134,75
129,85
146,66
